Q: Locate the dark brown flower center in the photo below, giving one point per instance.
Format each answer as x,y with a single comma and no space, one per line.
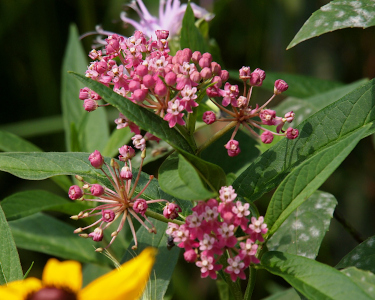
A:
52,293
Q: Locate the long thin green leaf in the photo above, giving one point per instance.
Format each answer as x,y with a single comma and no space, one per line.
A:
303,231
10,266
314,280
335,15
307,177
318,133
13,143
364,279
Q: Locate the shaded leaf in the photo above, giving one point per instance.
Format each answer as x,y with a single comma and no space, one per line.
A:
364,279
303,231
318,133
13,143
118,138
165,259
335,15
362,256
10,266
307,177
190,35
289,294
312,279
48,235
180,179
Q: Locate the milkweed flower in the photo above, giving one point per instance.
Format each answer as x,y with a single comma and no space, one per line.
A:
121,201
63,280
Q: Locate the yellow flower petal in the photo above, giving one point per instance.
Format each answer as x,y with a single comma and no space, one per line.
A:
66,274
126,283
18,290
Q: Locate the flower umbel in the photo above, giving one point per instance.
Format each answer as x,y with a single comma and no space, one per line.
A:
63,281
121,202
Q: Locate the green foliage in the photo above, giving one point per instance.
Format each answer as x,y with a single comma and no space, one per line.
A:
337,14
10,266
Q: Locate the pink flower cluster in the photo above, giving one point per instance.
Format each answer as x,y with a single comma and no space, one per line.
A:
242,113
142,71
211,230
121,201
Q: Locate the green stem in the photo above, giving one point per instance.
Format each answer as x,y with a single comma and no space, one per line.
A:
250,284
159,217
216,136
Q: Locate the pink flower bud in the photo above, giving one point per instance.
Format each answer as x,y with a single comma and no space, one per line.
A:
97,190
218,81
292,133
108,215
280,86
90,105
267,137
140,94
196,57
224,75
134,85
209,117
126,173
126,152
233,148
84,93
75,192
208,56
216,68
101,66
185,55
141,70
149,81
162,34
160,89
96,159
171,211
289,116
170,78
204,62
267,116
195,76
97,234
206,73
94,96
257,77
212,92
190,255
245,73
140,206
95,54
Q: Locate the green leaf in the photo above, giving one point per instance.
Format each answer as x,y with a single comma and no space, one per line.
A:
190,35
10,266
303,108
48,235
27,203
362,256
165,259
312,279
118,138
303,180
303,231
13,143
289,294
328,127
179,178
144,118
364,279
75,59
300,86
335,15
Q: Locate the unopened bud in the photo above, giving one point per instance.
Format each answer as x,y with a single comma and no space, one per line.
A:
79,178
99,249
75,217
78,230
113,234
84,235
134,247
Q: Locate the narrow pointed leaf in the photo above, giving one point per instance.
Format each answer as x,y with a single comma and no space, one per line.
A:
180,179
362,256
10,266
144,118
48,235
27,203
13,143
307,177
318,133
190,35
314,280
337,14
118,138
165,259
289,294
303,231
364,279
